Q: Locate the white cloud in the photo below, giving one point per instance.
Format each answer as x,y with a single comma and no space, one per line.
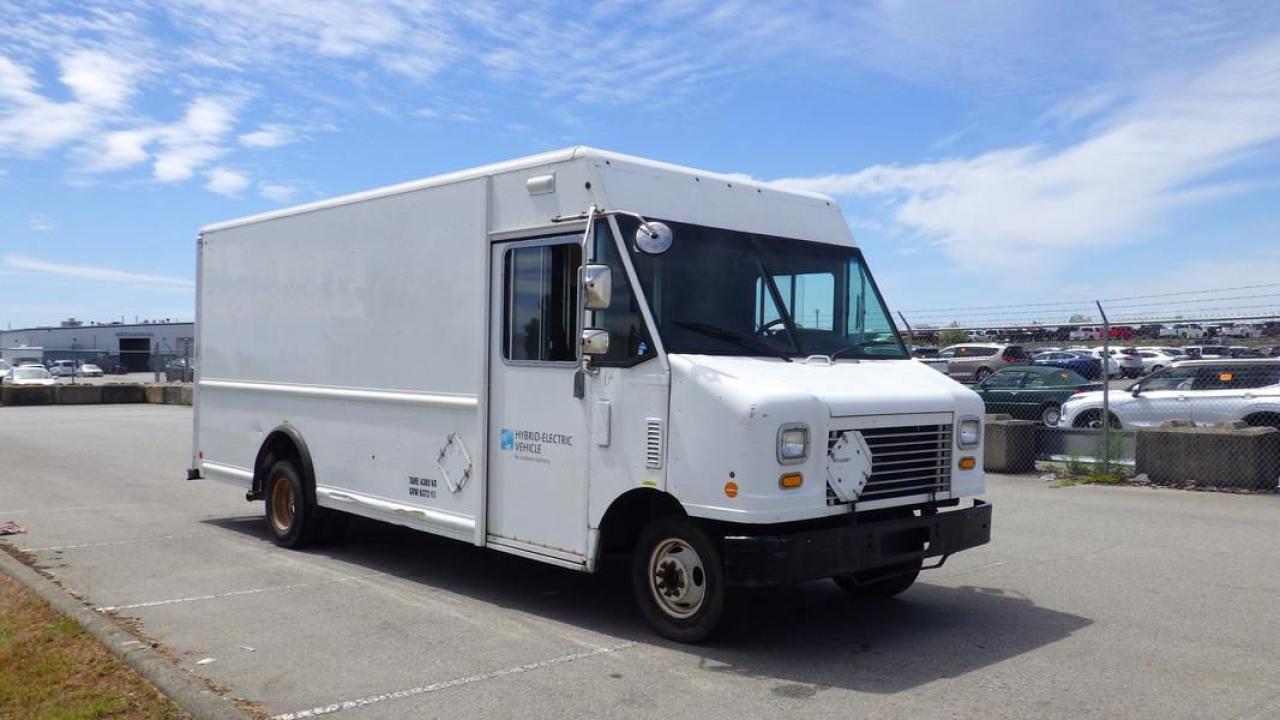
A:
269,135
1017,207
95,274
278,192
41,223
226,182
196,140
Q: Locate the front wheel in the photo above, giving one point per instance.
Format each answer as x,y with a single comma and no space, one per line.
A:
678,579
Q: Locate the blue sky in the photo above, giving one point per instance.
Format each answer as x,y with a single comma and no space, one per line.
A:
985,153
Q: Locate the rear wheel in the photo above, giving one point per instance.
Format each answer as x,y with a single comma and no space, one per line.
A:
291,518
1051,414
981,374
678,579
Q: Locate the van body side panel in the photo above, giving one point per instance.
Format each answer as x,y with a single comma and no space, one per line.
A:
357,326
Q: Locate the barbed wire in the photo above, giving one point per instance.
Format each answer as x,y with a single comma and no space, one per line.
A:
1090,302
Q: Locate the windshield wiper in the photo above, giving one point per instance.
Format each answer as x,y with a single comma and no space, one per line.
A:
743,340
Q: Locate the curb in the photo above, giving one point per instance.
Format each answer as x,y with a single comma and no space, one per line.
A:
179,685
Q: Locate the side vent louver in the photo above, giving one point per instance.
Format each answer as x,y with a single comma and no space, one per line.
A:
653,442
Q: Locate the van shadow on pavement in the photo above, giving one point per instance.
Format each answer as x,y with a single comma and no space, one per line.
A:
808,637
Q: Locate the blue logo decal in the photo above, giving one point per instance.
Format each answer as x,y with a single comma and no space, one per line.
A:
507,439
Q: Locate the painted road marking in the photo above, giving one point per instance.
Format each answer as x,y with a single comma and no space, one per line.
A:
456,682
238,593
113,543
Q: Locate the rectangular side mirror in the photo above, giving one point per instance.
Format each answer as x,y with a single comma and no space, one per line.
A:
594,341
597,287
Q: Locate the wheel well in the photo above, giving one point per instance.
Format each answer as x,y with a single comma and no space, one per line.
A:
628,514
1264,419
1086,416
283,443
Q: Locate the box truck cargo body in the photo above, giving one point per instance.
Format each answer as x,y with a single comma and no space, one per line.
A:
581,352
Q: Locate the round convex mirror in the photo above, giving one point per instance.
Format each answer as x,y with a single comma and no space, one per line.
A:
656,241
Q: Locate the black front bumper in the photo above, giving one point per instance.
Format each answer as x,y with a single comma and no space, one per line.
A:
759,560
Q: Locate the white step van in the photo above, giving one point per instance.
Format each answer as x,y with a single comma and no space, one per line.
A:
578,353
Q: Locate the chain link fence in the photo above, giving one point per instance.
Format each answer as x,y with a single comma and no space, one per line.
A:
1190,401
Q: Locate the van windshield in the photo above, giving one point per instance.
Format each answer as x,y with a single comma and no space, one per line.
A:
723,292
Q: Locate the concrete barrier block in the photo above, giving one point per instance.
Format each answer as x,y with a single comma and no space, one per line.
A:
26,395
1225,456
187,395
77,394
172,394
155,394
123,393
1009,445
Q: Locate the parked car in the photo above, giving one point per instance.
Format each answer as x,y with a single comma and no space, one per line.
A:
1032,392
118,369
1112,367
1189,331
1083,365
1207,352
62,368
1120,332
29,375
1087,332
975,361
1239,330
1155,359
1204,392
88,370
179,371
1129,361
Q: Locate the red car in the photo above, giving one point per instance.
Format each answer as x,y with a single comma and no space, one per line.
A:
1120,332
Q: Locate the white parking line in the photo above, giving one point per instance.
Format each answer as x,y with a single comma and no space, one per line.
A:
68,508
238,593
112,543
468,680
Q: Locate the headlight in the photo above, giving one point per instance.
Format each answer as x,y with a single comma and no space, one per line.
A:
793,443
969,432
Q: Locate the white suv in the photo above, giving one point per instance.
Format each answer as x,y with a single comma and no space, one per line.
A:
62,368
1201,391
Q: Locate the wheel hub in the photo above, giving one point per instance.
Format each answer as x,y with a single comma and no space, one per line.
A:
677,578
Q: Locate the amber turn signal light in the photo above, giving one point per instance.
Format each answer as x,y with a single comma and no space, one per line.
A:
968,463
731,489
788,481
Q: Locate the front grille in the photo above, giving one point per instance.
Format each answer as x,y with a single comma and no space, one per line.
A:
906,460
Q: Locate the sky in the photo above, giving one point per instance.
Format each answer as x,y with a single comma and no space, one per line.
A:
999,162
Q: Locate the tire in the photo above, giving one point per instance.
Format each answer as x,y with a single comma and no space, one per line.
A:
1093,419
291,519
1050,415
903,577
1155,369
678,579
981,374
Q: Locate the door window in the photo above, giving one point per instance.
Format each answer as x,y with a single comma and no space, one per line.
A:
1004,381
1236,377
541,291
1170,379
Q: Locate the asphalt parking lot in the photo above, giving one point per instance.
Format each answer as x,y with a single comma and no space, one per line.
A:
1090,602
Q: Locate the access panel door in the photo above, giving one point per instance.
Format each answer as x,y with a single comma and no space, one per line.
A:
538,440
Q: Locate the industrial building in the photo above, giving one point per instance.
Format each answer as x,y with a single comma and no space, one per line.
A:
139,347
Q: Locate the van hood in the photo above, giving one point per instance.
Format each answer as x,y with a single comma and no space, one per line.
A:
846,387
